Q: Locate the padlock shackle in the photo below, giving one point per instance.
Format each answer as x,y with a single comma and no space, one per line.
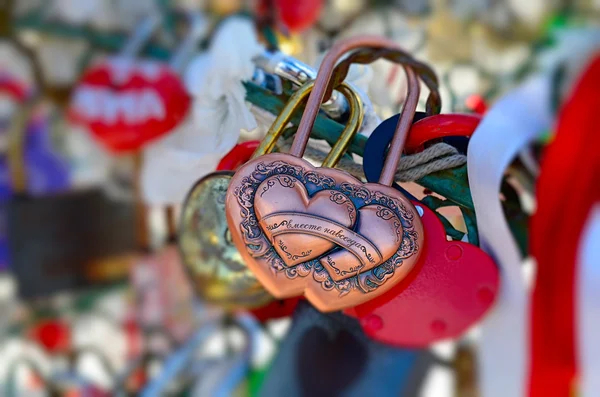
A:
352,126
283,118
293,104
402,128
318,94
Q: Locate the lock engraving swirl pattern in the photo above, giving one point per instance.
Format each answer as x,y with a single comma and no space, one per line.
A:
305,225
292,224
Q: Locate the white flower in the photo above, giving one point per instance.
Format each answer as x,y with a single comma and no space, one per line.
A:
219,111
215,81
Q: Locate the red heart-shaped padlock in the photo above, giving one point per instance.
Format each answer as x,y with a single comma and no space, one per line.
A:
127,103
452,286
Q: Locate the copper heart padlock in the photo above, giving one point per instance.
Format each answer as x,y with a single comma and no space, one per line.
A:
319,231
218,272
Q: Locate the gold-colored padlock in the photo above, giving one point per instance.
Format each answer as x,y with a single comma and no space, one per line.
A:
217,270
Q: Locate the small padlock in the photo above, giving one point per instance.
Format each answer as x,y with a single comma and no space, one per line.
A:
218,271
127,103
320,231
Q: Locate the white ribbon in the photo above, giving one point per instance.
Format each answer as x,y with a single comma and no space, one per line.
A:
588,298
512,123
215,81
173,164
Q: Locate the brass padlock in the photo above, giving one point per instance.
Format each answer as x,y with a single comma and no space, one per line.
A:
218,271
319,231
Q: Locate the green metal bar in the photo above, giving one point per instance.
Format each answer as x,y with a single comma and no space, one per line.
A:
471,224
518,222
452,184
450,230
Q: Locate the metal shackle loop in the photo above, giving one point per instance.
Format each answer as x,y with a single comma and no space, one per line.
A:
337,151
321,86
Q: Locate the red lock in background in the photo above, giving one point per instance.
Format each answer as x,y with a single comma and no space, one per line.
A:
126,104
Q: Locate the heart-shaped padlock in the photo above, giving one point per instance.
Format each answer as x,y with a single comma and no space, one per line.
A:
320,231
453,285
127,103
217,269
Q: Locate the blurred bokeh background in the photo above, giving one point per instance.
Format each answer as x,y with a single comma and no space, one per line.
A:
108,288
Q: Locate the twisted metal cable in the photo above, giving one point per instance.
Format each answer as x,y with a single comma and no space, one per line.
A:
369,55
438,157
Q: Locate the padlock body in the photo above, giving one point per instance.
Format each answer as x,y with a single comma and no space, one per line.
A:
320,231
216,269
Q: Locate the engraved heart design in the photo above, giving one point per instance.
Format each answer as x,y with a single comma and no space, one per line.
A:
377,224
286,194
348,241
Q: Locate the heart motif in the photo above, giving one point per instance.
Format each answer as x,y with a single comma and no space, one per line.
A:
286,194
320,231
376,223
451,288
283,193
126,103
